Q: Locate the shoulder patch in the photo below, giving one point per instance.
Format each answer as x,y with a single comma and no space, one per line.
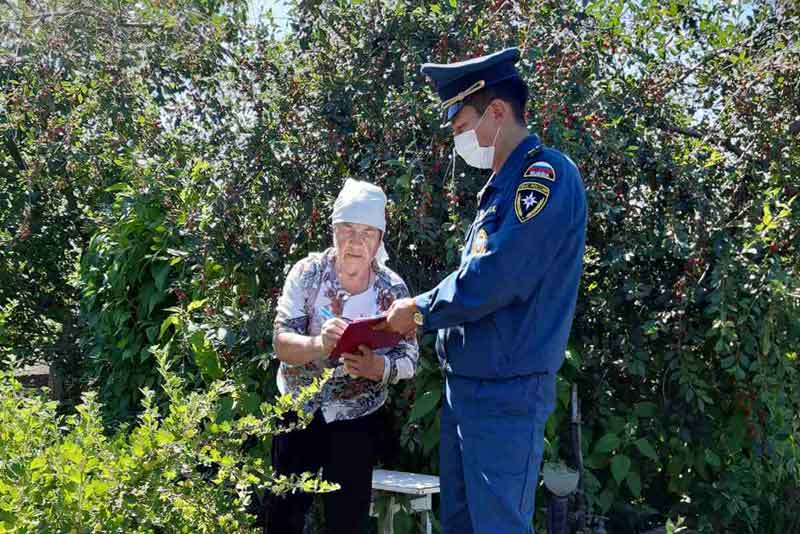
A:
530,200
541,170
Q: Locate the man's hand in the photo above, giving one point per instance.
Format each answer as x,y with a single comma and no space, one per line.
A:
400,317
332,330
367,364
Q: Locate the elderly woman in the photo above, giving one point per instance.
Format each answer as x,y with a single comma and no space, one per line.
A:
322,292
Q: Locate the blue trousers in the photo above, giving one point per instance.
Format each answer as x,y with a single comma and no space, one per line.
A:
492,440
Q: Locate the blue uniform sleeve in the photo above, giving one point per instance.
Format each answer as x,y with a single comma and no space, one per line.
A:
515,257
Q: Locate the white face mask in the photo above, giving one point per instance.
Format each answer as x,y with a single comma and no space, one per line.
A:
467,146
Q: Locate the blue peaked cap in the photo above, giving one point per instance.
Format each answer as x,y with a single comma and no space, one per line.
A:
456,81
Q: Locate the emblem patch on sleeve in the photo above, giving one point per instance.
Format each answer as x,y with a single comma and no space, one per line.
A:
541,170
481,242
530,199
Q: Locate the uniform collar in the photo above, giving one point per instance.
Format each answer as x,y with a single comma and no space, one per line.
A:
515,158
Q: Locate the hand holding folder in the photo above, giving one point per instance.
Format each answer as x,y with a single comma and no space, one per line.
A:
361,332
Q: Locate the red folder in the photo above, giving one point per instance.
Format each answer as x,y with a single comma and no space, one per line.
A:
360,332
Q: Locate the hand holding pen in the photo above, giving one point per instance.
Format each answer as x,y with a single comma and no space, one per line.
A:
332,330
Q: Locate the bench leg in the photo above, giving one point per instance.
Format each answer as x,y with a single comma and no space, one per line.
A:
426,527
388,521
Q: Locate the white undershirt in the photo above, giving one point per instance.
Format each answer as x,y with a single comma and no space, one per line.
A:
361,305
364,304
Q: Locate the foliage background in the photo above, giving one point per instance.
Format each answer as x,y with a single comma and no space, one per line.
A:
163,164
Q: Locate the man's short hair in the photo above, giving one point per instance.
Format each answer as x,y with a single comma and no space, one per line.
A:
514,92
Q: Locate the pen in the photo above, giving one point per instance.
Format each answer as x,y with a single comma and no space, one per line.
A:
326,314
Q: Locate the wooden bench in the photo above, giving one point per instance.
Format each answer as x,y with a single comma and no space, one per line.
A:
420,487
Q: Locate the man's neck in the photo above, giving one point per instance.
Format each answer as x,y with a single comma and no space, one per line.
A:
506,144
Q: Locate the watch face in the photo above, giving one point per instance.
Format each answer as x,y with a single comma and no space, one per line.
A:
418,319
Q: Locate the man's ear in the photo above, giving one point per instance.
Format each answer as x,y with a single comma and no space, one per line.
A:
499,109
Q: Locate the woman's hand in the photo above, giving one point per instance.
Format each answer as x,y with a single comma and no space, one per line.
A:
332,330
367,364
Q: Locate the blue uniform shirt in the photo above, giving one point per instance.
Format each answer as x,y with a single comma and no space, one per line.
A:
508,309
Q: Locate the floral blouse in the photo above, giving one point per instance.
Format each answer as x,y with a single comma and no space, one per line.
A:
312,286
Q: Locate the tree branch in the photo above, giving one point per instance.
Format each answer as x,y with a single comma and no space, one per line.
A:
53,14
94,14
11,146
697,134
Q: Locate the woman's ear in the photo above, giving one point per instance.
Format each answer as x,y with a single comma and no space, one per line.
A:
378,246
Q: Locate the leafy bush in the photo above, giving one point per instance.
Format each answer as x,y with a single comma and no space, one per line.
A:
182,471
124,289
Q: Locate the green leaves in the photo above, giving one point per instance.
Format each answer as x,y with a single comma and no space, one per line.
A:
646,449
195,305
607,443
118,187
634,483
171,320
620,465
205,356
125,290
160,271
645,409
164,437
712,459
63,469
425,404
430,438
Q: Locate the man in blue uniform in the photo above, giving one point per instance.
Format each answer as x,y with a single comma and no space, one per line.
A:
503,318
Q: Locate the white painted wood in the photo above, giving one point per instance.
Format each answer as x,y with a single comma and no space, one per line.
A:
424,486
407,483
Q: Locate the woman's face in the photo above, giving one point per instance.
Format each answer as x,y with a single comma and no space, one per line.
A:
356,245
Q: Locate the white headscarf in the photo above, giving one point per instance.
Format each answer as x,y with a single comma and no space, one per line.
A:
363,203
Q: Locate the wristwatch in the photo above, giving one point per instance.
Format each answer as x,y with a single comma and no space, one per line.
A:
418,318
